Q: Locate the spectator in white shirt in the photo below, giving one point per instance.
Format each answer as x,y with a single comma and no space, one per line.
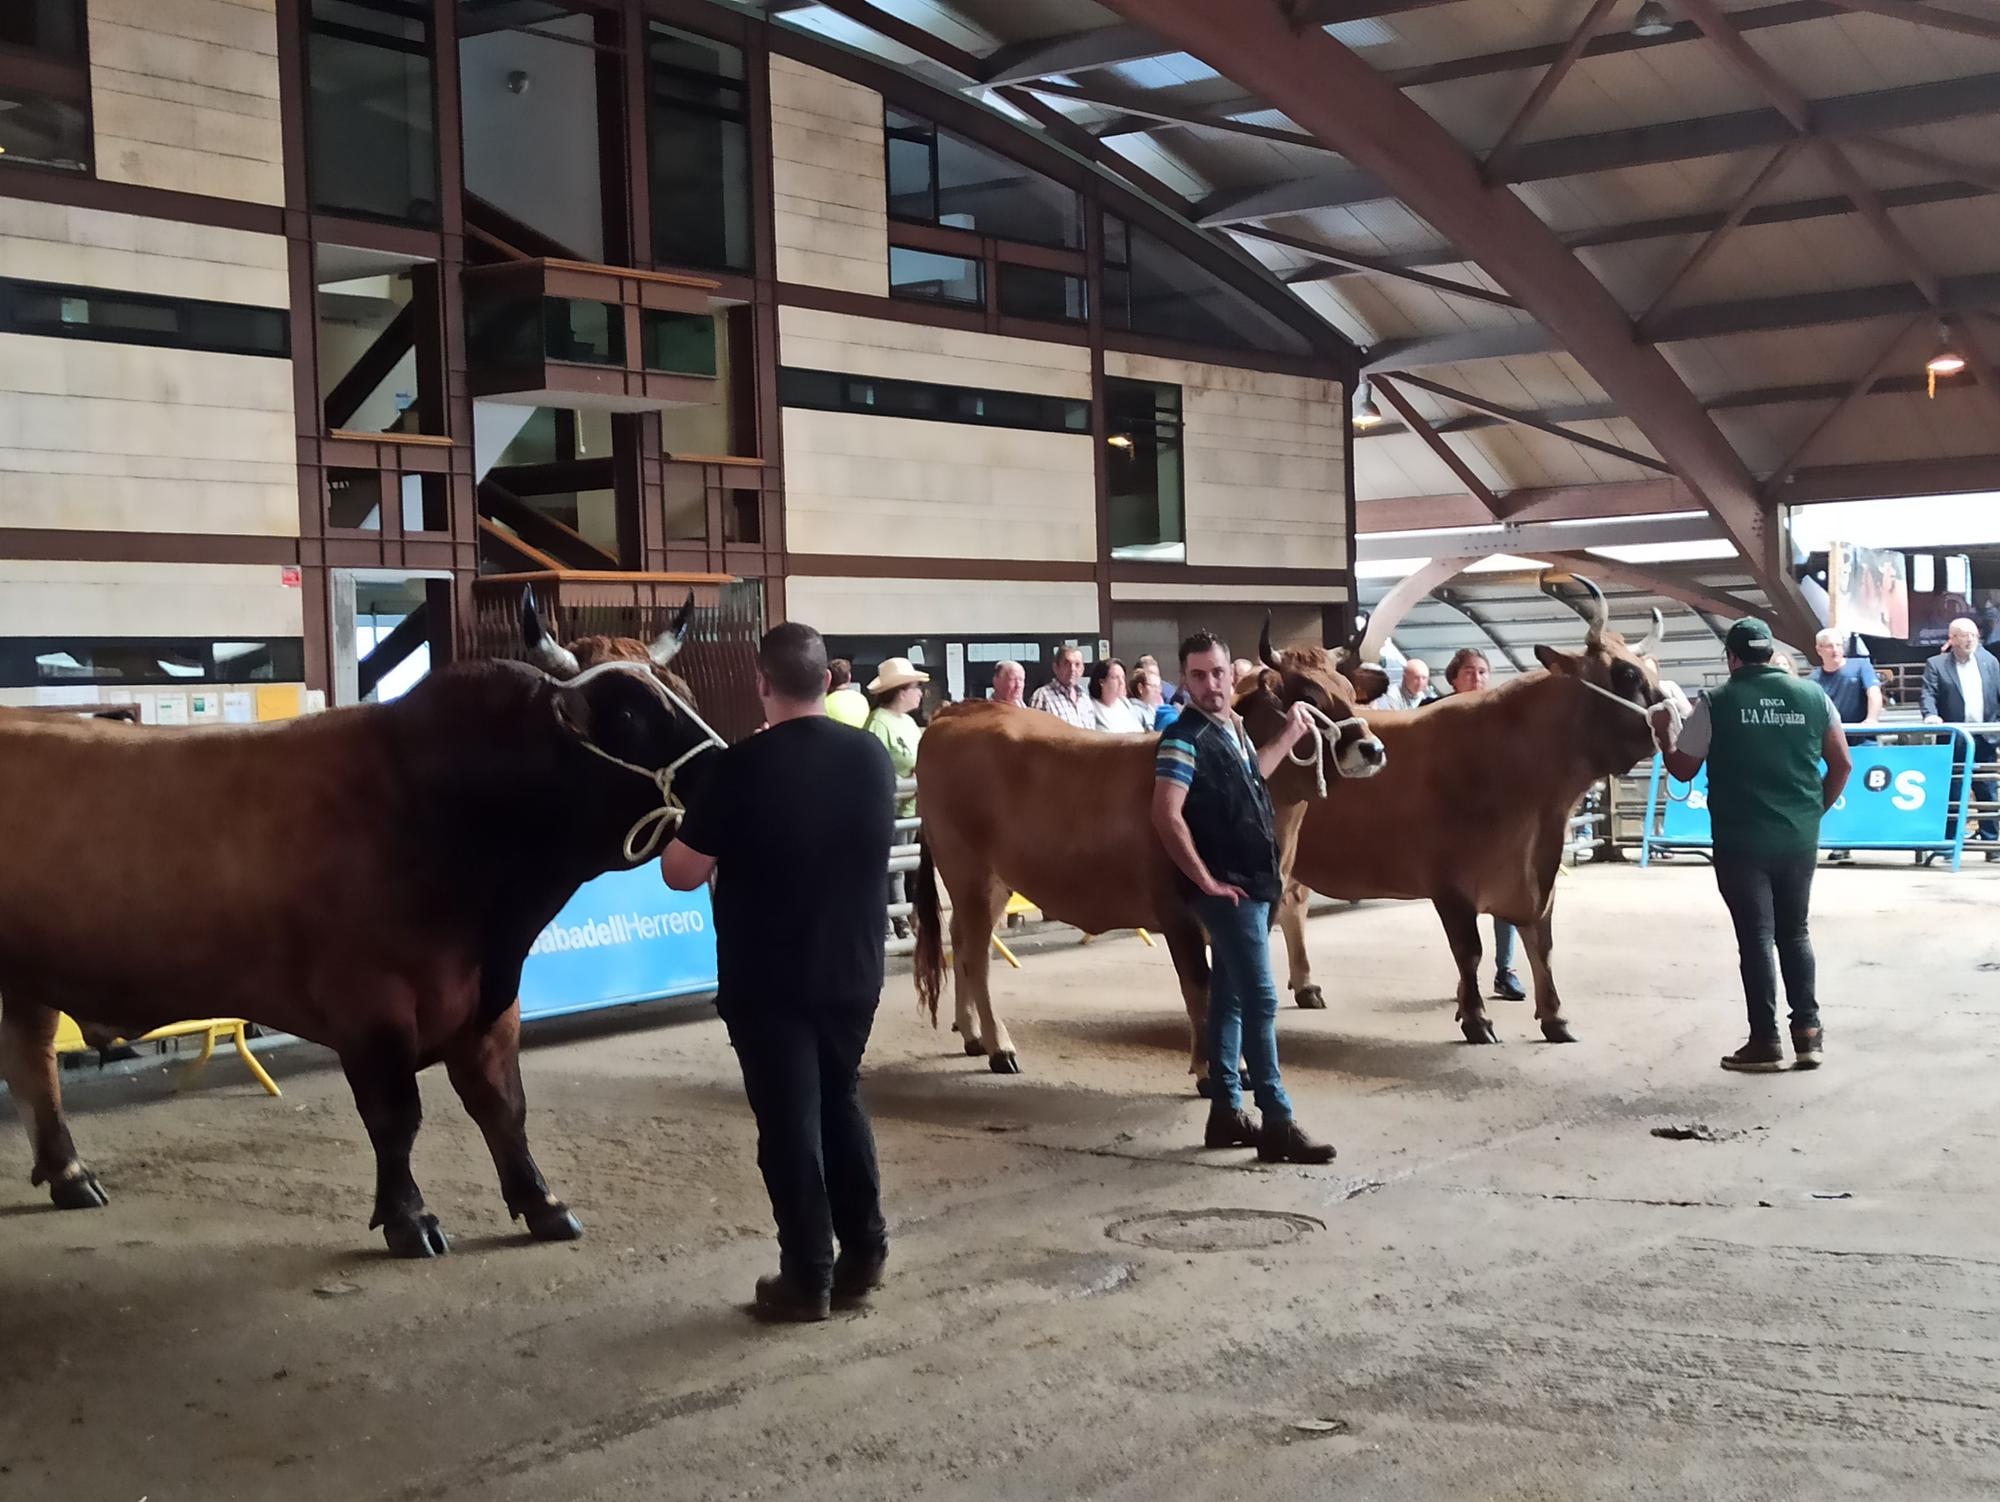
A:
1063,695
1010,684
1412,689
1109,708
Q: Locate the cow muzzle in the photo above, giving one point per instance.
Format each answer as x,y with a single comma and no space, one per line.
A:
1347,743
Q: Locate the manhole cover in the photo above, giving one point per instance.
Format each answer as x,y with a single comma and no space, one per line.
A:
1213,1230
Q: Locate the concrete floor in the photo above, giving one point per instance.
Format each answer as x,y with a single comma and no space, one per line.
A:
1506,1287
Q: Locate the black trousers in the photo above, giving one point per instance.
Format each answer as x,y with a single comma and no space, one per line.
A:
1983,789
1768,898
801,1068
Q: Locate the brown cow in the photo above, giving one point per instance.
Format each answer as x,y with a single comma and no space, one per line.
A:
1472,809
370,879
1016,801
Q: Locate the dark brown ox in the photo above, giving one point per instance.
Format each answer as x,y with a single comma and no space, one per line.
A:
370,878
1472,809
1013,800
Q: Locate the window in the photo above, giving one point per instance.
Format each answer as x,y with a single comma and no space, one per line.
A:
698,119
1033,292
681,343
133,318
936,177
368,310
830,391
1150,288
44,85
28,662
372,114
742,516
354,499
1142,422
924,277
587,333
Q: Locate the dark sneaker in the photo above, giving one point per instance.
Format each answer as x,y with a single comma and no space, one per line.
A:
1841,857
1227,1128
1758,1056
855,1277
1507,986
1808,1047
781,1300
1284,1141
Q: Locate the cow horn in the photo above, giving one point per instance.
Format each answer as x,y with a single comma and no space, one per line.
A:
1651,644
667,645
543,650
1264,653
1594,613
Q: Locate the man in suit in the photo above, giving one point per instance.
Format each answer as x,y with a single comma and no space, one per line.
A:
1962,687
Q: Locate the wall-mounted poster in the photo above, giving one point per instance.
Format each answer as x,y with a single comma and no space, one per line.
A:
1870,590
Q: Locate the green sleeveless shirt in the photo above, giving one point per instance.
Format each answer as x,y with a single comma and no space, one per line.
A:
1766,728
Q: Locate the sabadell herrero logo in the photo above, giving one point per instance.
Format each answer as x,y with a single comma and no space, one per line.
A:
618,928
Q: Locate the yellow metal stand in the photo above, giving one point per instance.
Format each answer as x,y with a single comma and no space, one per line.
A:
69,1039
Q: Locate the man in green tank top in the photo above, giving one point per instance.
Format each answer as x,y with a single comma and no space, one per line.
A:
1763,735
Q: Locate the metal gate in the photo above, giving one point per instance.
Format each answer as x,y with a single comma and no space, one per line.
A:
719,661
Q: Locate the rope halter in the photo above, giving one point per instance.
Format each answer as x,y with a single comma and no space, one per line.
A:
1325,734
643,839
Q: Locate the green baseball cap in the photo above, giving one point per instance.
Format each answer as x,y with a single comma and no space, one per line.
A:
1749,639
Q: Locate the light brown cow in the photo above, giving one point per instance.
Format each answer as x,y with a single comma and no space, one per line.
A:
1473,805
1016,801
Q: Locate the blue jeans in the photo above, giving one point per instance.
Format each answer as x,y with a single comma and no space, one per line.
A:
1242,1004
1503,947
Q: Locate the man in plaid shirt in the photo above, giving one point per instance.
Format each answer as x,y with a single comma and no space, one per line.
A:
1063,696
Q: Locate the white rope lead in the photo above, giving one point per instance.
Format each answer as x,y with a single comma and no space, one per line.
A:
643,839
1326,734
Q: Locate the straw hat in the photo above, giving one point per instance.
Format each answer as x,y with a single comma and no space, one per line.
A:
897,672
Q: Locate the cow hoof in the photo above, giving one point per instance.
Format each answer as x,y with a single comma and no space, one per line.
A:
550,1223
1004,1063
80,1191
418,1236
974,1049
1310,998
1556,1030
1479,1032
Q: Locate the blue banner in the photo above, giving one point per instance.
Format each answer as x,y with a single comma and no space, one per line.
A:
622,938
1899,797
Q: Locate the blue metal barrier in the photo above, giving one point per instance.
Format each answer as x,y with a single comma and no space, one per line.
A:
1891,802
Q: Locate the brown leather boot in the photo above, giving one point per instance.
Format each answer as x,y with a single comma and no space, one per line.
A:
1284,1141
1227,1128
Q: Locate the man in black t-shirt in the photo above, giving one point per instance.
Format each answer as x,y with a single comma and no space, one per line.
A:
796,824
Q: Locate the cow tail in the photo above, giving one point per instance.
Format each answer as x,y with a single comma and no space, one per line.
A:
929,958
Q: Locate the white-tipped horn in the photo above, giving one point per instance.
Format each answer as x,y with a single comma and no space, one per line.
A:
667,645
1651,644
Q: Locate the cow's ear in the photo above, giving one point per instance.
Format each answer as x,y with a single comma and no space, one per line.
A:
573,712
1555,661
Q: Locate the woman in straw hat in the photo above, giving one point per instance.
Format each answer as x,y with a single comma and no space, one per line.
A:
893,696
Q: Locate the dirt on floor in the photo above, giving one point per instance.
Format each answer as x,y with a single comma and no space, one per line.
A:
1507,1286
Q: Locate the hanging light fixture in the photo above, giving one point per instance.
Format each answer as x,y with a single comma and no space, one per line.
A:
1948,361
1366,413
1652,20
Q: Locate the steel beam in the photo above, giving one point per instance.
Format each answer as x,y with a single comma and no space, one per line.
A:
1786,13
1683,140
1325,88
1528,420
1547,84
1371,265
1077,52
1702,598
1960,294
1537,538
909,35
1927,15
1893,478
1446,454
1552,503
1141,102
